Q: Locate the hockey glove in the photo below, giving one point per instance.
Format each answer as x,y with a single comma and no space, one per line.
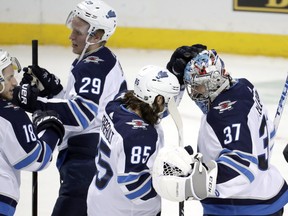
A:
25,96
189,149
285,153
181,56
178,176
48,119
48,84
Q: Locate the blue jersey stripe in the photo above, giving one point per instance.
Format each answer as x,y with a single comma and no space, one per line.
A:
6,209
258,209
243,155
141,191
46,157
241,169
130,177
92,106
79,115
29,159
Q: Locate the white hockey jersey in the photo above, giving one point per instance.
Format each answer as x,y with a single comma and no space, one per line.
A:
20,149
239,135
123,183
92,83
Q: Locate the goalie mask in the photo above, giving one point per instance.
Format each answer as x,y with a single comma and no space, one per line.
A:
97,14
205,78
5,61
152,81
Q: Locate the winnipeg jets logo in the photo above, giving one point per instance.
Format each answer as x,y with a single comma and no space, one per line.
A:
161,74
94,59
89,2
110,14
10,105
136,123
225,105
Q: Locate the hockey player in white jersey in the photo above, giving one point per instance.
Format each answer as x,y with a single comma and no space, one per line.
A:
96,77
130,139
232,173
23,145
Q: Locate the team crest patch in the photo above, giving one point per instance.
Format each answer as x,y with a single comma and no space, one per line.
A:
162,74
94,59
136,123
10,105
110,14
225,105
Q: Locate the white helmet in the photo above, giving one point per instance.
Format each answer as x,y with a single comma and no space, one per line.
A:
98,14
207,70
152,81
5,61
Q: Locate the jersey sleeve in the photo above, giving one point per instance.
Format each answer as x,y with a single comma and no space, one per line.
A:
77,112
23,147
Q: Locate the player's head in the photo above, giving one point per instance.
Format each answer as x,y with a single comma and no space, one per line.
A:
205,78
152,81
99,16
7,80
92,23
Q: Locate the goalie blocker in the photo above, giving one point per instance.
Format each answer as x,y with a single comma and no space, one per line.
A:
178,176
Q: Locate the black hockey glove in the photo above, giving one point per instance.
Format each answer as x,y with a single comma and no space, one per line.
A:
180,57
189,149
285,153
25,96
48,84
48,119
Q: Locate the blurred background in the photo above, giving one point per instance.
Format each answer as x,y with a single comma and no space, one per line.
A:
236,26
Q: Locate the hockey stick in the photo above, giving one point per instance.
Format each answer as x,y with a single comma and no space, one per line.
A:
173,111
34,174
281,104
279,112
172,108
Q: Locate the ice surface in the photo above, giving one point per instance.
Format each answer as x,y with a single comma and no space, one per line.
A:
267,74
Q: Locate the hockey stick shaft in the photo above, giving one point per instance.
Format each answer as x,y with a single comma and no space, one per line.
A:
34,174
279,112
173,111
281,104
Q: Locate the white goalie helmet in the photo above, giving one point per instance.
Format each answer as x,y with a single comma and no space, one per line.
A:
205,78
97,14
152,81
5,61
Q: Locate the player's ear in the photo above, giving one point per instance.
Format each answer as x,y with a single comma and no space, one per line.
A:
97,36
159,100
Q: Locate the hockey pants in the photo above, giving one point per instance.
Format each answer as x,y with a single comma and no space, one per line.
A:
76,174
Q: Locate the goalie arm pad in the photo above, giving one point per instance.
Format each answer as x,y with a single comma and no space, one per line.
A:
198,184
